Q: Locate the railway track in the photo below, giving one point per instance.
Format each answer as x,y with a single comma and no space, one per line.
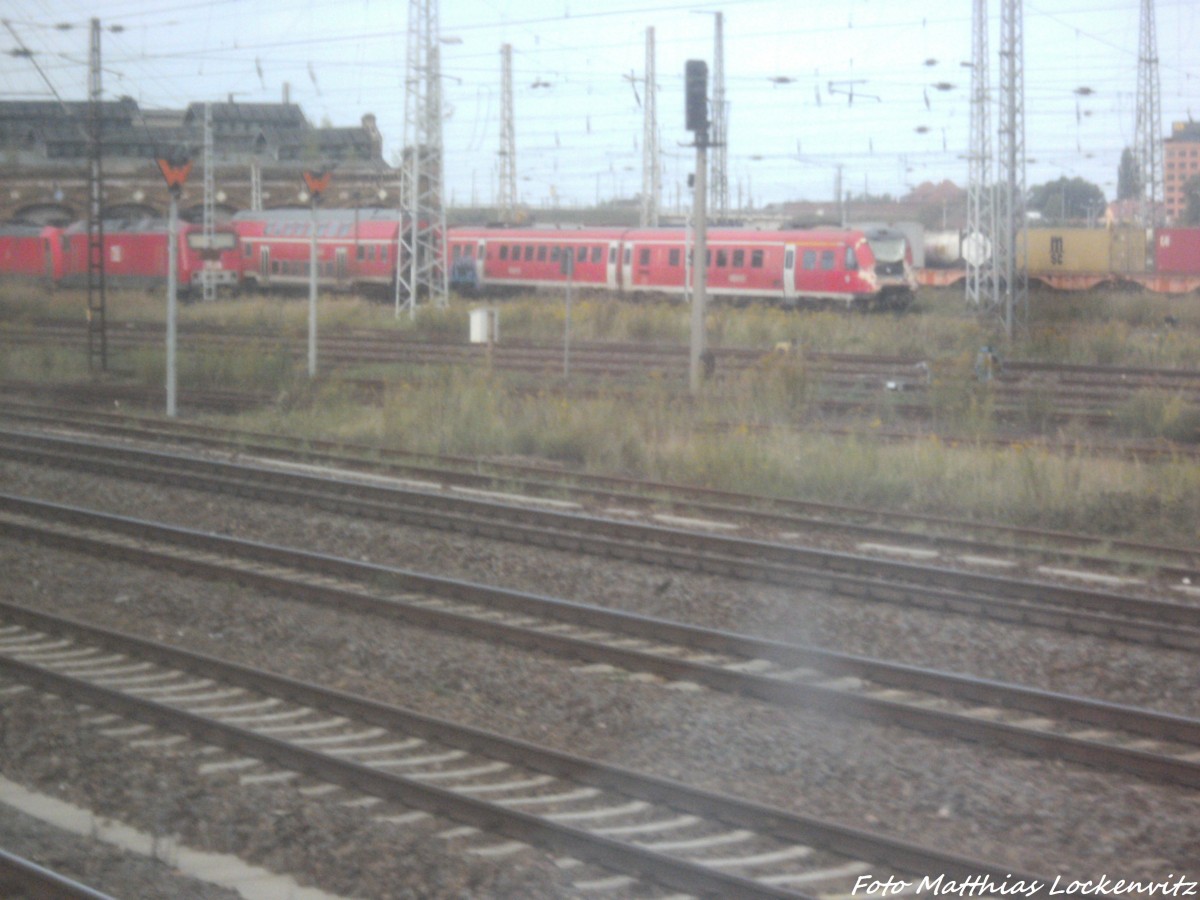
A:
1150,745
626,827
846,381
22,878
766,516
980,594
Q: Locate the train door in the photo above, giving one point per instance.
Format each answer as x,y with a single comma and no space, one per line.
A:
264,266
613,273
480,259
627,266
789,272
340,271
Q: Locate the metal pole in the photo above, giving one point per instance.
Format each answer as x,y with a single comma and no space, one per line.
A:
567,326
172,277
700,267
312,295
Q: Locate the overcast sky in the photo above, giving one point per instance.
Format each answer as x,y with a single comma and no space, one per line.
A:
578,79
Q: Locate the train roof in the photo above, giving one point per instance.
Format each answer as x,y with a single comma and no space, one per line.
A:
21,229
304,214
519,233
753,235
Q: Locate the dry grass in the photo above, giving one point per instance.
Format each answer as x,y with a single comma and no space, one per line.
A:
739,437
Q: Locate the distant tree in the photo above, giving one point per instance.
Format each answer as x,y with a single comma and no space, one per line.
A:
1066,199
1129,176
1191,192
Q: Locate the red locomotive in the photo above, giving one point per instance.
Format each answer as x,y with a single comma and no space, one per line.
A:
31,252
136,252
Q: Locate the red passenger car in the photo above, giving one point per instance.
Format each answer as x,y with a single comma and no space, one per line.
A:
840,266
490,258
356,248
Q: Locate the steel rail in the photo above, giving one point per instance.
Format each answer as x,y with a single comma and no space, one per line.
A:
1035,602
21,877
656,867
389,592
450,471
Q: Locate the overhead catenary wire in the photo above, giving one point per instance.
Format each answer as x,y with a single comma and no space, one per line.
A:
572,146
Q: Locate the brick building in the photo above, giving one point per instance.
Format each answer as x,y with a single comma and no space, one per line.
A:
44,158
1181,161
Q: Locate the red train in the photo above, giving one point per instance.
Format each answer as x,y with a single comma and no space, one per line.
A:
135,254
869,267
844,267
359,250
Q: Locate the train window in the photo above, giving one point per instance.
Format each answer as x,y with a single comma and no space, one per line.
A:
469,252
739,259
581,256
722,259
248,251
827,260
644,256
541,256
789,259
274,267
628,255
756,259
810,259
555,254
516,252
673,256
371,253
851,260
528,252
383,253
504,251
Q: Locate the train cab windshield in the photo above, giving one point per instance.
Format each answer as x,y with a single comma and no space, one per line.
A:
889,249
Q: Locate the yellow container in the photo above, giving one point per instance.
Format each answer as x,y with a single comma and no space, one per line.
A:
1068,250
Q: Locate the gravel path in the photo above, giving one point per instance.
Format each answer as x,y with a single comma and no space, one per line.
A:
1042,816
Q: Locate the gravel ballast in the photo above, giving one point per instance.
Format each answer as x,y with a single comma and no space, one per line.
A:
1035,815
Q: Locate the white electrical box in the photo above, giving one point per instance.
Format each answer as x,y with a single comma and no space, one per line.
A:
485,325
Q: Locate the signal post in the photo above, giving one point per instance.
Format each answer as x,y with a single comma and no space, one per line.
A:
175,174
317,183
696,82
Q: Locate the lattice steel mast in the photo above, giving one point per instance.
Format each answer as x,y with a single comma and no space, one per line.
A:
1010,204
420,270
97,307
506,198
208,279
651,165
981,226
719,191
1148,146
